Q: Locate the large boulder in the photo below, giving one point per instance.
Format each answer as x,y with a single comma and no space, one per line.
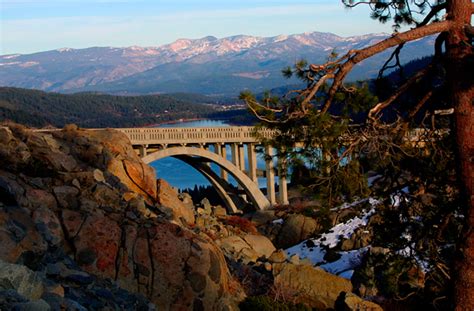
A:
309,285
24,281
247,248
168,198
296,228
353,302
111,151
261,244
19,238
262,217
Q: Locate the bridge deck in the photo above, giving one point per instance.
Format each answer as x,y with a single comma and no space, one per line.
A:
197,135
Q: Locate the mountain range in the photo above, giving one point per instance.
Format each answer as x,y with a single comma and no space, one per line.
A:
208,65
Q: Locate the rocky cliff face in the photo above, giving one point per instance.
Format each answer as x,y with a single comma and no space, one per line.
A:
78,209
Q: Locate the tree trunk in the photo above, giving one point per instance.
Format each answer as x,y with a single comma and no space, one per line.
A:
460,70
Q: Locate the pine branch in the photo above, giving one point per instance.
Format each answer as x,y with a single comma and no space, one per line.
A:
365,53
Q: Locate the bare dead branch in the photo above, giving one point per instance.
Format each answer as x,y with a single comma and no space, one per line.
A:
396,54
382,105
420,104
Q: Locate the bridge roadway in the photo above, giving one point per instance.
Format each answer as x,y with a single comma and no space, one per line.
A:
191,145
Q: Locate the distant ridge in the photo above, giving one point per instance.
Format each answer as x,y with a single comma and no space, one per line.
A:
207,65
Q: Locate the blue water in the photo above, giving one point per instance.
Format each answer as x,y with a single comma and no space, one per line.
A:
182,175
198,123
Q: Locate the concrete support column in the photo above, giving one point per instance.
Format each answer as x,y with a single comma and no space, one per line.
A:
143,151
234,149
223,154
242,167
252,158
282,186
270,170
241,158
208,148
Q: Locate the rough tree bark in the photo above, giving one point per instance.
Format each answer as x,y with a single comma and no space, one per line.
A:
460,73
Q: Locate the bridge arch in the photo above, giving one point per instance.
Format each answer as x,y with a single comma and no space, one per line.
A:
190,156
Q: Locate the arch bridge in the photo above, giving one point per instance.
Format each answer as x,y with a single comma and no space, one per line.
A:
193,146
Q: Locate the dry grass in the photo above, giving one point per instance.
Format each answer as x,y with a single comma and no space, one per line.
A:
242,223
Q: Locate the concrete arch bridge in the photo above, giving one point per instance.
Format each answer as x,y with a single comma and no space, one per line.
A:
192,145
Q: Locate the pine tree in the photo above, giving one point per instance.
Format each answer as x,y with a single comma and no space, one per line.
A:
326,106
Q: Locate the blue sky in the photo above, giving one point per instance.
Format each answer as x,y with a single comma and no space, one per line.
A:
36,25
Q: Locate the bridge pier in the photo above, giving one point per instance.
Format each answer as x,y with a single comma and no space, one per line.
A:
252,158
234,151
222,151
270,172
143,150
282,185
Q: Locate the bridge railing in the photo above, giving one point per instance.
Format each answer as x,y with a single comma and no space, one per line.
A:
199,135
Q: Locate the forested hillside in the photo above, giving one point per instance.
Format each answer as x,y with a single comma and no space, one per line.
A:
38,109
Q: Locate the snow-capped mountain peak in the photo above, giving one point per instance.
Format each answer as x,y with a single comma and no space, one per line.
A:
207,64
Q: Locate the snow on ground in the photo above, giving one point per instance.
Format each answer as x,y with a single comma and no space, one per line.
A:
278,221
346,264
315,249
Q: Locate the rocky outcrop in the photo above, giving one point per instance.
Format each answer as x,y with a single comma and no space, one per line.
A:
355,303
284,228
82,201
168,198
310,285
296,228
247,248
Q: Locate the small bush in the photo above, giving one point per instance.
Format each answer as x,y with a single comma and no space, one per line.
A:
242,223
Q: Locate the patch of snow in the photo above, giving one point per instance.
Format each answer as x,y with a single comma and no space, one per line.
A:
10,64
280,38
315,249
347,274
396,199
347,262
28,64
278,221
408,252
348,205
61,50
371,179
11,56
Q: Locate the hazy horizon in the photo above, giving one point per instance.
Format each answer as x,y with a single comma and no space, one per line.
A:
29,26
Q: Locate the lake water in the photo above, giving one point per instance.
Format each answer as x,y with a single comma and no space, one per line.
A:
182,175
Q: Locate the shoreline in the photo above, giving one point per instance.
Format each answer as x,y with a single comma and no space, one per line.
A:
175,122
